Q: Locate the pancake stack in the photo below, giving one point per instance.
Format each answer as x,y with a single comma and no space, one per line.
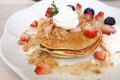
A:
64,44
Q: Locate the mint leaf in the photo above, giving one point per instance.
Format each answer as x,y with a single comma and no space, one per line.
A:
55,9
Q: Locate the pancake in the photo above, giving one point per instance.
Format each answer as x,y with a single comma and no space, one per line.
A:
62,39
73,53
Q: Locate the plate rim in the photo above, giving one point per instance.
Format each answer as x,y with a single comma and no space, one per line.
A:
12,67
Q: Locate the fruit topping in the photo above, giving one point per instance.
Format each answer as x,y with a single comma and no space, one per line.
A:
108,29
78,7
48,12
89,10
48,30
89,16
109,21
100,55
76,29
25,37
72,7
100,16
42,69
89,31
34,24
51,11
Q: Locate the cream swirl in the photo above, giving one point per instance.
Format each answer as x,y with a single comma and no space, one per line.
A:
66,18
112,42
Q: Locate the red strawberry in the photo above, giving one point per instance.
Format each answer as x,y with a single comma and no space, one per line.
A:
100,55
34,24
90,32
43,69
25,37
78,7
89,16
48,14
100,16
108,29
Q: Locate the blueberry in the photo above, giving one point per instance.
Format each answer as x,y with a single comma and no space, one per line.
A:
72,7
109,21
87,10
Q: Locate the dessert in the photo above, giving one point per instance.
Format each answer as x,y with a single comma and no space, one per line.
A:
66,33
72,33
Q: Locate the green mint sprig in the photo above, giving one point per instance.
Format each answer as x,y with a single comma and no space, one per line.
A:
55,9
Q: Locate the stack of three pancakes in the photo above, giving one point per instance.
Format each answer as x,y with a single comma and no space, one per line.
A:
64,44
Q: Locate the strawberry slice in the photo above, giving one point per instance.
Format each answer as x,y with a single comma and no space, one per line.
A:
48,12
76,29
89,31
34,24
78,7
25,37
51,11
100,55
100,16
89,16
108,29
48,30
42,69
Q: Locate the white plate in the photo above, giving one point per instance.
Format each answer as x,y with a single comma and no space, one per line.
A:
14,56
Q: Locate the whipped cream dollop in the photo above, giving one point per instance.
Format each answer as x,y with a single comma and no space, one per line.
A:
112,42
66,18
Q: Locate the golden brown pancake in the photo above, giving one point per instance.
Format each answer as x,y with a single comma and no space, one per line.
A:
62,39
73,53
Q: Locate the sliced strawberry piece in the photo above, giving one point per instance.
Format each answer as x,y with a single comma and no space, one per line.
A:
108,29
48,30
34,24
25,37
48,14
89,31
100,16
76,29
89,16
100,55
78,7
42,69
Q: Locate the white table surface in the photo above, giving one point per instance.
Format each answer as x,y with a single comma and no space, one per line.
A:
7,8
